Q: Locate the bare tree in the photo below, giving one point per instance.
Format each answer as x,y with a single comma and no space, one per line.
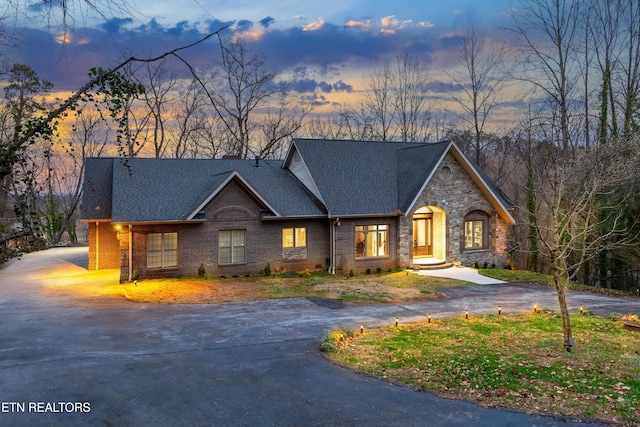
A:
395,104
412,106
481,83
577,196
191,120
548,31
250,101
89,138
159,81
378,102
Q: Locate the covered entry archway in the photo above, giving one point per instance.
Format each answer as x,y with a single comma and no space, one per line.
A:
429,235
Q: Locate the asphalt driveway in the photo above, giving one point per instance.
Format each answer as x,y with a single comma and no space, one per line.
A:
90,357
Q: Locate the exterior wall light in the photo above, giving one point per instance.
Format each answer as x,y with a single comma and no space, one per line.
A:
118,232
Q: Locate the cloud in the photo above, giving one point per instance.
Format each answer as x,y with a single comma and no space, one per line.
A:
266,22
311,85
438,86
316,100
114,25
363,25
314,26
390,24
243,25
329,49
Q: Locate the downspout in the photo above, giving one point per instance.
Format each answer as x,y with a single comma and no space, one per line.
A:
334,223
97,245
130,255
332,246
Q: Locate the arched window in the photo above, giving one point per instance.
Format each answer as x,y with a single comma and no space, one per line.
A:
476,230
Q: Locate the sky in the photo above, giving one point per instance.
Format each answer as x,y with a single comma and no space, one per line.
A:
325,44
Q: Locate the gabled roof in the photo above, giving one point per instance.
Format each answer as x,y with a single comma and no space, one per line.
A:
162,190
380,178
317,177
354,177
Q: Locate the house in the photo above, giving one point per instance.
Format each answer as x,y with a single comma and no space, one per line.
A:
329,205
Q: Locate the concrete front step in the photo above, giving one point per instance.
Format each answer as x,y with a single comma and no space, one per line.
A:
439,266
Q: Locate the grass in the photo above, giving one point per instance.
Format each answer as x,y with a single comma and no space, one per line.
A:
513,361
361,288
525,276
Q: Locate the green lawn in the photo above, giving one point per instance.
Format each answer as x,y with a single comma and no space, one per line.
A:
515,361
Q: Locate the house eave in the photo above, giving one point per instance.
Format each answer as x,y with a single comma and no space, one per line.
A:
426,181
503,211
95,220
162,222
296,217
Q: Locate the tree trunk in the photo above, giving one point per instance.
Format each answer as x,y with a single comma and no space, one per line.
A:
561,289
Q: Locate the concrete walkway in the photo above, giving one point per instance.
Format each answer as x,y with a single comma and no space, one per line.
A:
69,338
461,273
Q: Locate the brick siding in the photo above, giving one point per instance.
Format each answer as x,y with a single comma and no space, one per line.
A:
234,208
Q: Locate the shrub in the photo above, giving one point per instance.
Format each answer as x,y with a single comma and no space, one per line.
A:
476,265
267,270
333,339
485,265
135,274
201,270
508,265
368,271
305,273
378,270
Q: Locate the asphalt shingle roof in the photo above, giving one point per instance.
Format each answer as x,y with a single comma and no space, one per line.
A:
366,178
171,189
96,195
352,177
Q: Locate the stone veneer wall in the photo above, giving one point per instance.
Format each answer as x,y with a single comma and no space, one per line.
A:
453,191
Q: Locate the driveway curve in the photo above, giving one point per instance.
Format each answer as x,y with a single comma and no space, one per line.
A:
74,351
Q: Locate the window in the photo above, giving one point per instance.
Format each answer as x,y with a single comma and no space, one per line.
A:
162,250
371,240
231,244
475,230
294,237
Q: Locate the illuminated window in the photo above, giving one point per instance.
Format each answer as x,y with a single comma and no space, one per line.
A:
371,240
162,250
475,230
294,237
231,246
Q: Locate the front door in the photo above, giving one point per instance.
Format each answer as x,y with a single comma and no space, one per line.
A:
423,235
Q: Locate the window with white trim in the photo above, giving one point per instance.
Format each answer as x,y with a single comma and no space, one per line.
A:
231,246
371,240
162,250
